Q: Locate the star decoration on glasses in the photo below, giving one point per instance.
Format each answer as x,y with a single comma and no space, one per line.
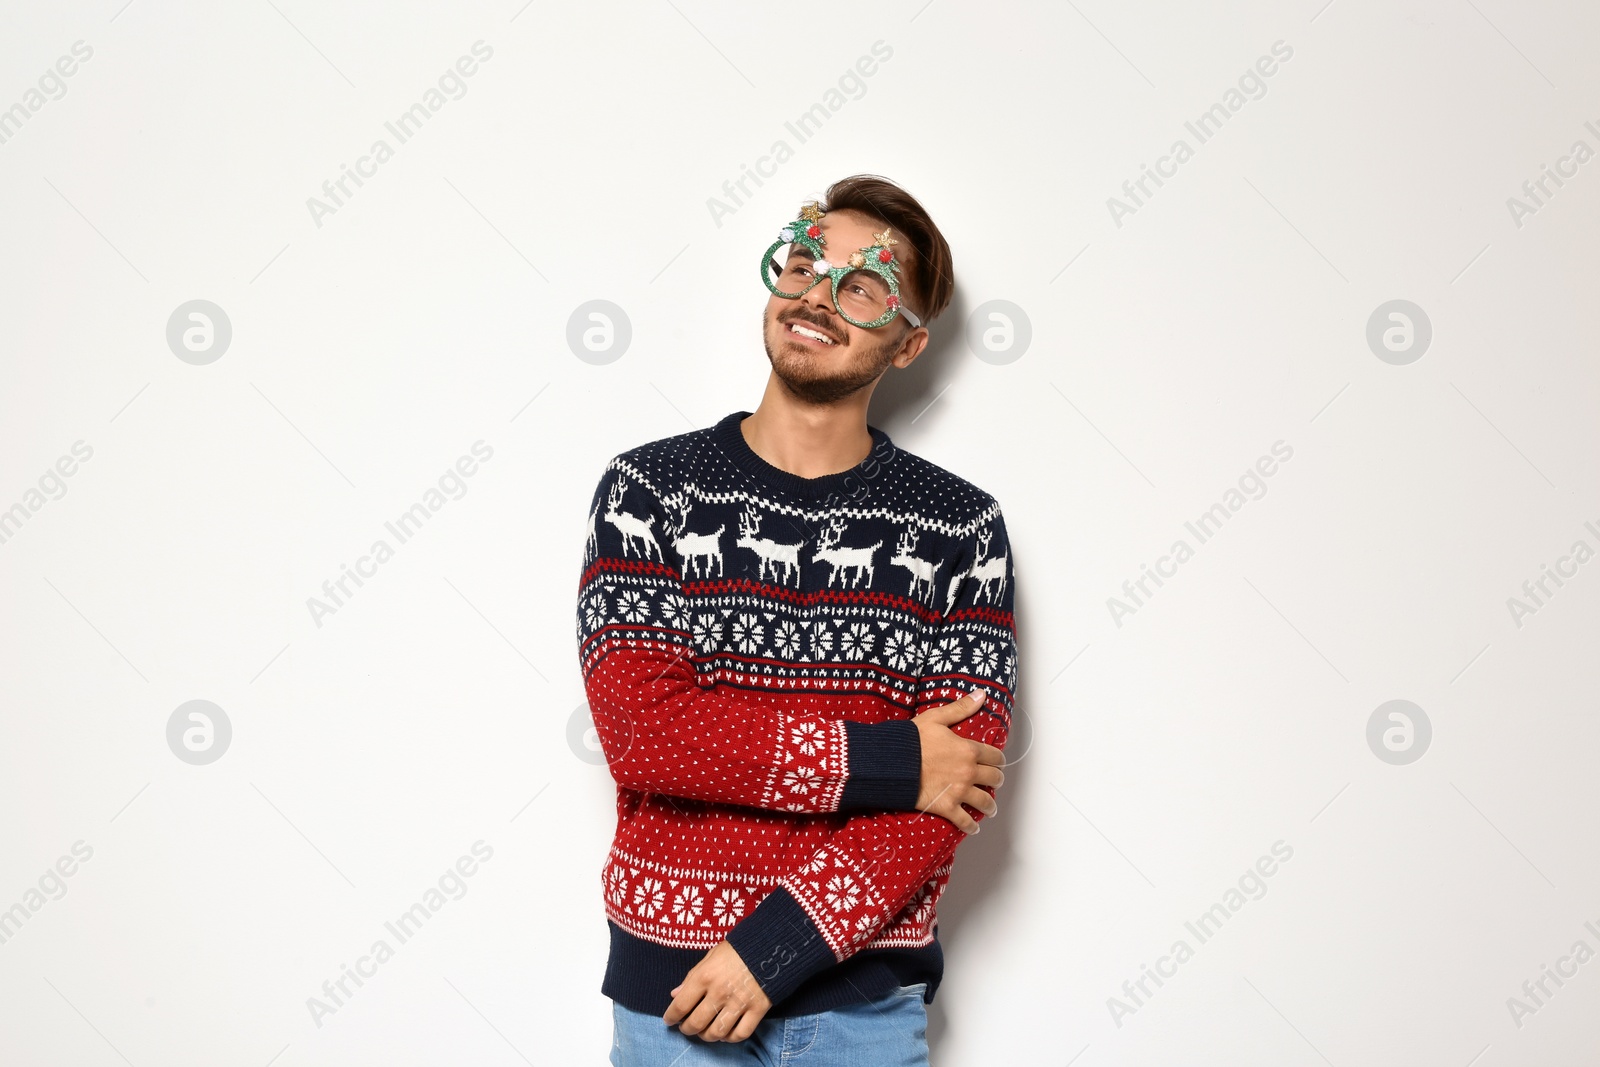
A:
884,239
811,212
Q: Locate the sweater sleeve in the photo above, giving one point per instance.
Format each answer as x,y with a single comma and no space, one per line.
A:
665,730
873,867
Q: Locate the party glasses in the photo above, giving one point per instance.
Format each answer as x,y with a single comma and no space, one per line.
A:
866,288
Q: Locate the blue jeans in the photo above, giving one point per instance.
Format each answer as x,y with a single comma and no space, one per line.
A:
889,1032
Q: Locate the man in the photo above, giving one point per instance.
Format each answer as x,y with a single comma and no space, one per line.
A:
799,652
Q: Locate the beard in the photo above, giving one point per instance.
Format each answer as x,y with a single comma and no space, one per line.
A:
802,370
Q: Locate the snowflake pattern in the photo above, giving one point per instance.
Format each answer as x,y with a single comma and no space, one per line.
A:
687,905
648,896
674,611
594,610
945,656
616,886
900,650
747,631
841,892
857,641
800,780
633,605
728,907
704,905
808,738
786,640
707,632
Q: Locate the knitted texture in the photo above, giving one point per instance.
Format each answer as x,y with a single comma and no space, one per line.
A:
754,646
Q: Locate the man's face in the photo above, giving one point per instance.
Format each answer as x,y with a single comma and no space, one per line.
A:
849,359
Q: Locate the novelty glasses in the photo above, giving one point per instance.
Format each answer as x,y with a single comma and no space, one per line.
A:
866,288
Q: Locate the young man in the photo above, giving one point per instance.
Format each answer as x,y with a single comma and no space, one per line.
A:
798,647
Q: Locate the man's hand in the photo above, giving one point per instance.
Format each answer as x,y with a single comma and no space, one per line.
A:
720,997
954,766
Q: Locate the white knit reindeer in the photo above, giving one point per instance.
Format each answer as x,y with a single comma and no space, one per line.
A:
770,552
921,569
692,546
631,526
856,559
988,570
984,570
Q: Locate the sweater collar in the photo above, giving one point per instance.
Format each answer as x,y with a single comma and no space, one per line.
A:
728,434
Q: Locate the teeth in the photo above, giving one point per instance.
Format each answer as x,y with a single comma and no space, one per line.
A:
806,331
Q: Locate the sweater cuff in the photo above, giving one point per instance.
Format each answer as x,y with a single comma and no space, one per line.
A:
885,766
780,945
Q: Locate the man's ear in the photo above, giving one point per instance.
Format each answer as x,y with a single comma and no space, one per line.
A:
911,347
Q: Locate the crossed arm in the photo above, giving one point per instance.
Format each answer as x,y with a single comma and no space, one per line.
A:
872,868
663,732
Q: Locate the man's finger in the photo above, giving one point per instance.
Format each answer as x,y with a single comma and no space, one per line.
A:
747,1026
724,1024
985,803
993,777
702,1016
959,708
683,1002
990,755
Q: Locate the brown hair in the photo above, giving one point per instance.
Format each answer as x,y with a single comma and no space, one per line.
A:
930,272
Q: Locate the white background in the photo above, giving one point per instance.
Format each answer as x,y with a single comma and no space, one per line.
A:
1159,756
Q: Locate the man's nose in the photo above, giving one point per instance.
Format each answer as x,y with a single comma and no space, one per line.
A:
820,296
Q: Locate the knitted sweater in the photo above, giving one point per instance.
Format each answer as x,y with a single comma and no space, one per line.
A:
754,646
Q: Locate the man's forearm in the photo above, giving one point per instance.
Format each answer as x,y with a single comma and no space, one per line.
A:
662,732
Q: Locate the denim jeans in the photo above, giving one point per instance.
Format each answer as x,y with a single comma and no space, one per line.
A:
889,1032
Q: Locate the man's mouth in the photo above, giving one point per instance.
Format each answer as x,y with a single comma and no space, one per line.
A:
810,334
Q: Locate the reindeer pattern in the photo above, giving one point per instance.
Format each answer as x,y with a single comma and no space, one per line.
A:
701,555
803,565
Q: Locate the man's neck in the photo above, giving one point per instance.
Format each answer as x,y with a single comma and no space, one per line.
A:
808,442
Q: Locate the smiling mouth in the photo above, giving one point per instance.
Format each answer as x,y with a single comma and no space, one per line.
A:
809,334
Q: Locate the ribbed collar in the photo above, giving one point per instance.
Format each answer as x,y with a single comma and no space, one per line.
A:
731,438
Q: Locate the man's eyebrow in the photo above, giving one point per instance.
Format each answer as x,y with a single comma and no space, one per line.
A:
800,251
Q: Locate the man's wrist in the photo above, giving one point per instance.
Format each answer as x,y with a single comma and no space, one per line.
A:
780,944
884,766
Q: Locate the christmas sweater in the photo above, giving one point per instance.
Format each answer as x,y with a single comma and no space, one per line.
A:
753,647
